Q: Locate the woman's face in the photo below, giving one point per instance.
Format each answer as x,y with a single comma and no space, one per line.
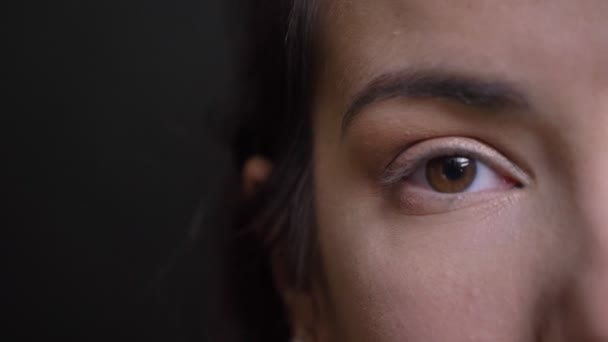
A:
461,174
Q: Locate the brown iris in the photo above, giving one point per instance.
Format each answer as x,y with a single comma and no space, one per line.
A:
451,174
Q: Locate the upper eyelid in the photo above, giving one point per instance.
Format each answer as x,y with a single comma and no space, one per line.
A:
461,146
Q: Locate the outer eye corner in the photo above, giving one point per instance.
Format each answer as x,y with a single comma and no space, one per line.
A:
517,184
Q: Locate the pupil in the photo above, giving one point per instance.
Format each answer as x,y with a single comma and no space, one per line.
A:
455,168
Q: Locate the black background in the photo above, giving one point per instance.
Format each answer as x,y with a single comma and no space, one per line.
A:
114,139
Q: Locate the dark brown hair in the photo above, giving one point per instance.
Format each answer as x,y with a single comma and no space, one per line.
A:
280,217
271,110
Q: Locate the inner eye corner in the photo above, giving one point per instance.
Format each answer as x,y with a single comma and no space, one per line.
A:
517,184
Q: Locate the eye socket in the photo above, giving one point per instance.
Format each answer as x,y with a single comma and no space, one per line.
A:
444,174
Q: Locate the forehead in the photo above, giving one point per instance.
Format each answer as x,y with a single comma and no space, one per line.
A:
523,40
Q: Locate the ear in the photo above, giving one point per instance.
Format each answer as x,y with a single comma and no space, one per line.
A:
255,172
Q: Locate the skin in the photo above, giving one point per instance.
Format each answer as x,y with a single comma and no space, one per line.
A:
505,263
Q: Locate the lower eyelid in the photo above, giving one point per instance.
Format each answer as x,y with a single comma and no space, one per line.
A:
421,202
418,201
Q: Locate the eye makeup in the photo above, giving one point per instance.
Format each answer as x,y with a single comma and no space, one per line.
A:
407,180
419,154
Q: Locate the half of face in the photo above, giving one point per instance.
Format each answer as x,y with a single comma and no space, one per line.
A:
460,170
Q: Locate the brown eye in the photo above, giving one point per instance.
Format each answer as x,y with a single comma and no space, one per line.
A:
451,174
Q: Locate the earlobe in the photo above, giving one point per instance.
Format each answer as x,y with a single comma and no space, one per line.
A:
256,171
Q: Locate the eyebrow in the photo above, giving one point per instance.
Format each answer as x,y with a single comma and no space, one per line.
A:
485,94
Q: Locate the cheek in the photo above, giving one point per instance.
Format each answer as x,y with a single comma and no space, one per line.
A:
473,274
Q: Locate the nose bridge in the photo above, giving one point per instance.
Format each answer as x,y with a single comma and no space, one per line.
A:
591,184
592,200
589,297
